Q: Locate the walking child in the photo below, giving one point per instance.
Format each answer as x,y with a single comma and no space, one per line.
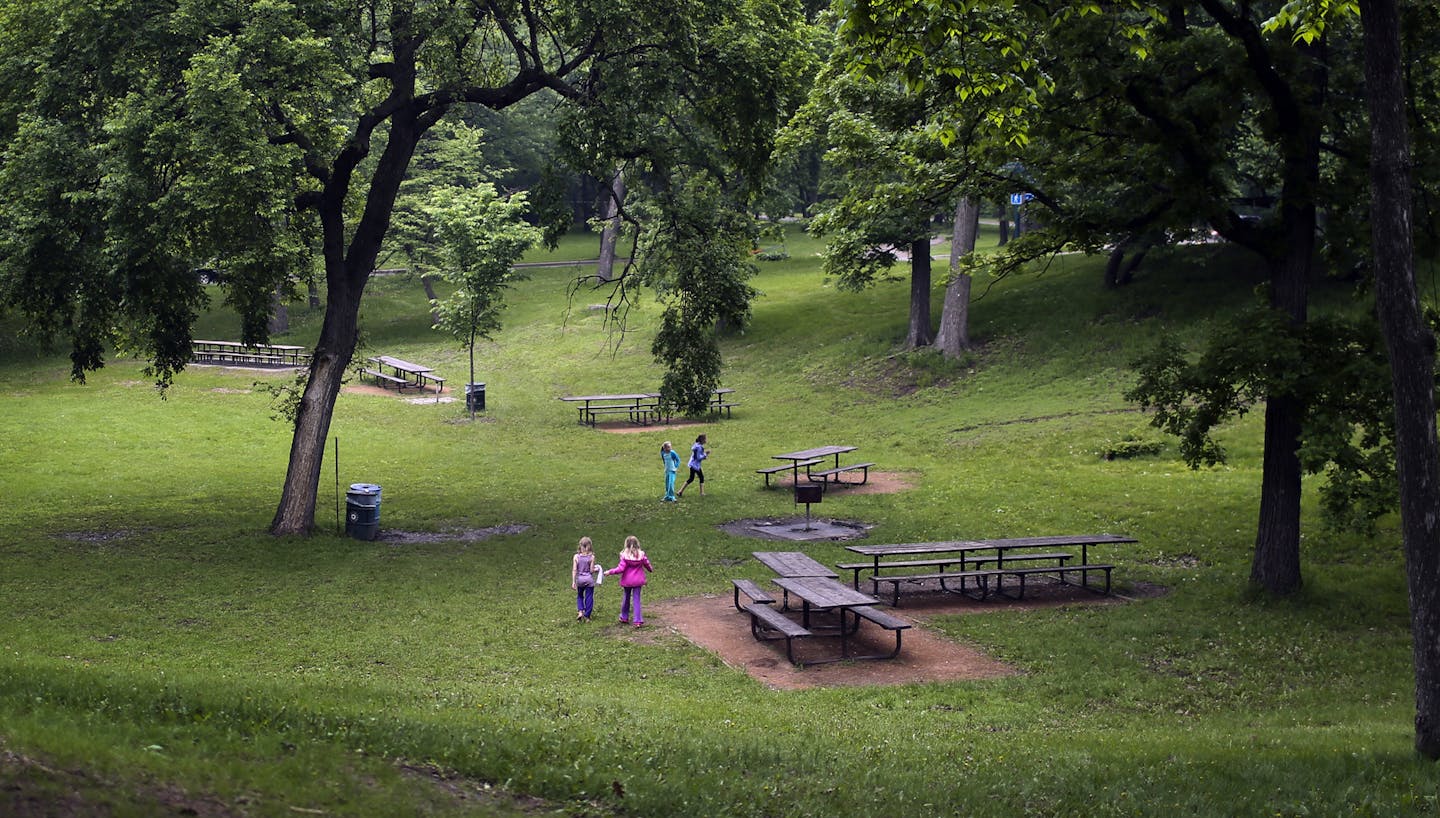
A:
671,459
698,453
583,569
633,567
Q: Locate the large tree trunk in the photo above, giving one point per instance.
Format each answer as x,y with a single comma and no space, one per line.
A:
610,235
920,333
347,269
1276,566
1412,356
953,337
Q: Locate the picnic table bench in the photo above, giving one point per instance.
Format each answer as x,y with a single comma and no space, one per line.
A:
790,467
752,590
1006,564
838,470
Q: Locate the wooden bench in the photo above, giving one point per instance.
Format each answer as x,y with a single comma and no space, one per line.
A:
767,618
837,471
752,590
888,621
724,408
638,414
983,576
805,464
381,378
940,562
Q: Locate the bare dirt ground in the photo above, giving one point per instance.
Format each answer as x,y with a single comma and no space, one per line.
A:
711,622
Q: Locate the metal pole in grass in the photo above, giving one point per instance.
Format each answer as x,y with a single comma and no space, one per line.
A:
338,529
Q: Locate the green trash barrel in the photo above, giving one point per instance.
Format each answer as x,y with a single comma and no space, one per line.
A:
362,511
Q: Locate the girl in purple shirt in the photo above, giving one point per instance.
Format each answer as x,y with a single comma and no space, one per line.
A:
698,453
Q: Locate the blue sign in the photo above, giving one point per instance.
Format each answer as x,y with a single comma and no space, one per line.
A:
1021,198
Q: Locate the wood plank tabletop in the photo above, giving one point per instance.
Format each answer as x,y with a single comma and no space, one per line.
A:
824,592
793,564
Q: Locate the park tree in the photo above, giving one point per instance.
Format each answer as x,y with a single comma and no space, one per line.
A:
1139,120
143,140
477,236
693,143
894,164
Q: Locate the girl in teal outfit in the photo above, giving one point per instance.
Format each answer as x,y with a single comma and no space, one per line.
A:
671,459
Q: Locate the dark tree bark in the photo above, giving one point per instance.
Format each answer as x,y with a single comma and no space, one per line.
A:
613,198
1412,356
953,337
1276,565
347,269
1120,270
920,333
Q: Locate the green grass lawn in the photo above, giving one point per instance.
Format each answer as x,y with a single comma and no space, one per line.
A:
161,653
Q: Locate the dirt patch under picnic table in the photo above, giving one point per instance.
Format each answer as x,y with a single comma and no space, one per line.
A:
712,622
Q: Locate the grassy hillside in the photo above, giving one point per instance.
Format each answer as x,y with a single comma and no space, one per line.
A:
162,653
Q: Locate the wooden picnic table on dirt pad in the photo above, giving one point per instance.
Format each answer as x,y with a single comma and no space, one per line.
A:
805,458
826,594
406,374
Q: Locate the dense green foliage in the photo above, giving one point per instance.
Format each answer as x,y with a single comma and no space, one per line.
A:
157,639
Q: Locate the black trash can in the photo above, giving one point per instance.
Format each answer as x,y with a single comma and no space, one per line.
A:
362,511
475,397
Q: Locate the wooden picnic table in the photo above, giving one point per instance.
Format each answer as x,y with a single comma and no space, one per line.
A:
804,458
237,352
828,594
968,553
638,405
809,458
816,453
818,588
407,374
1000,546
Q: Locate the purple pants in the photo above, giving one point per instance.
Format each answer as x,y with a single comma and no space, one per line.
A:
585,600
630,601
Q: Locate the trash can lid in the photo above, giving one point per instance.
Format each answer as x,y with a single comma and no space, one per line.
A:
364,488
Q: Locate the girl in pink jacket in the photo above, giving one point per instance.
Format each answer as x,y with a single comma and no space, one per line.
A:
632,569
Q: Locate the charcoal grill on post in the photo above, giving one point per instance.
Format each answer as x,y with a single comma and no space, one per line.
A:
807,494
